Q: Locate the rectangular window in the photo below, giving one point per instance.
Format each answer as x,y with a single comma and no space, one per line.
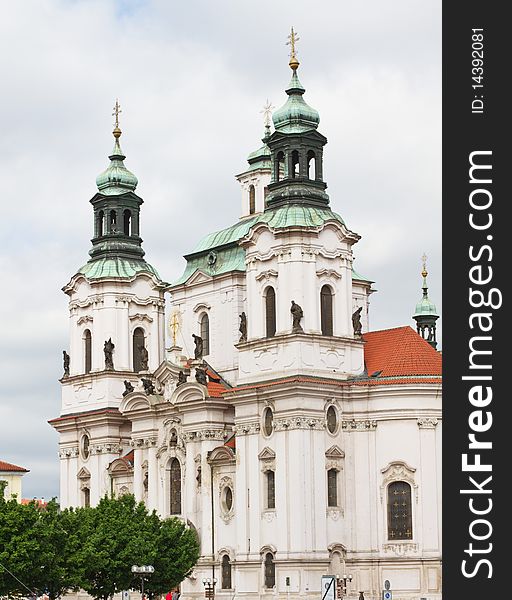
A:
271,490
332,487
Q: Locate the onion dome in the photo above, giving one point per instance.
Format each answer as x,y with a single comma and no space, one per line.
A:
295,116
116,179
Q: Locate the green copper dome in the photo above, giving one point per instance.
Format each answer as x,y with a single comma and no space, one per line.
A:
116,179
296,116
425,307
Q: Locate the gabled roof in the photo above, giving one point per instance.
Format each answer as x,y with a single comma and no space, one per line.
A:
400,353
5,466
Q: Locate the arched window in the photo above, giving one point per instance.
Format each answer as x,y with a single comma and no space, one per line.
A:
112,222
205,333
175,487
226,573
270,571
252,200
270,312
399,511
311,165
127,220
87,351
295,164
138,350
268,421
332,487
99,223
271,489
326,310
332,420
279,167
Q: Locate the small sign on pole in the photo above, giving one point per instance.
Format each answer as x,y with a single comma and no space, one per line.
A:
387,594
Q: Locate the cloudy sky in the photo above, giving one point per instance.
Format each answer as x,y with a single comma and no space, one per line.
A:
192,78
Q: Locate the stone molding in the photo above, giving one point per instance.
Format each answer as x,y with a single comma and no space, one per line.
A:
69,452
401,548
298,423
142,442
398,471
247,428
84,319
427,422
359,425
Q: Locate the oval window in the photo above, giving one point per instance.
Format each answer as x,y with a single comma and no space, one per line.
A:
85,446
228,498
332,419
268,421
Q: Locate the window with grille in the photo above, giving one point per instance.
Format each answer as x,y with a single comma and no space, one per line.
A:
271,489
326,310
175,481
399,511
88,350
205,334
226,573
332,487
270,571
270,312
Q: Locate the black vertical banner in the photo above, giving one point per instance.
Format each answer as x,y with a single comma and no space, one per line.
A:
477,237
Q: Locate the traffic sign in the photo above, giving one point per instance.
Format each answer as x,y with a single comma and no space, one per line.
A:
387,595
328,587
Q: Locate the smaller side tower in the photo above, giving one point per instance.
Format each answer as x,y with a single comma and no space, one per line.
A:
426,312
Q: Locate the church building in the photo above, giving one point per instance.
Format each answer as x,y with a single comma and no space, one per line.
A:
294,440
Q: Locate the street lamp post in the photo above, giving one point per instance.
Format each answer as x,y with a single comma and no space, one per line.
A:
343,581
209,588
141,571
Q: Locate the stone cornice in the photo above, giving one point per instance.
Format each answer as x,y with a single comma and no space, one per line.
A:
359,425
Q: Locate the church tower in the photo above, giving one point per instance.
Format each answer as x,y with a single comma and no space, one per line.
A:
426,312
116,305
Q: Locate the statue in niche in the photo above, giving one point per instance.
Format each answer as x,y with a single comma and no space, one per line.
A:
297,314
198,350
145,482
243,327
108,350
128,387
356,321
65,360
182,378
144,358
149,389
198,476
201,376
173,440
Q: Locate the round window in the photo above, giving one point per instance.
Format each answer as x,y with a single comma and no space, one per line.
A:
228,498
268,421
85,446
332,419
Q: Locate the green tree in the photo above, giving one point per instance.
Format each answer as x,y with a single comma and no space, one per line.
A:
173,551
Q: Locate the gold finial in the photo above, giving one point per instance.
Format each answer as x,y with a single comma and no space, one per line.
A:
293,38
117,110
424,260
267,113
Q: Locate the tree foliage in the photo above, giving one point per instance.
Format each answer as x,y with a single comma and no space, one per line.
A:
55,550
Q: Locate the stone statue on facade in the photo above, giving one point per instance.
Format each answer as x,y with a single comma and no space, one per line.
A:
297,314
243,327
198,350
144,358
356,321
65,360
201,376
182,378
128,387
149,388
108,350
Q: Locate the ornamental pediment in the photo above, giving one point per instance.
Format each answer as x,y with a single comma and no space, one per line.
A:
267,454
334,452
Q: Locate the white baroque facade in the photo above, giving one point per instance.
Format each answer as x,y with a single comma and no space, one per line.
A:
296,444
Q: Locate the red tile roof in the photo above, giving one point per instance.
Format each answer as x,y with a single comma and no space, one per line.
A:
400,352
38,501
5,466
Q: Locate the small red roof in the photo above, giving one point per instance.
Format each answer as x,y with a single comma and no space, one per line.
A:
400,352
38,501
5,466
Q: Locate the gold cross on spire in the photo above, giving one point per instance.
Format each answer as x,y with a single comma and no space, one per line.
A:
117,111
174,325
293,38
424,260
267,113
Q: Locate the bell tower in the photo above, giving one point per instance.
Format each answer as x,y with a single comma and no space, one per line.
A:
116,317
426,312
